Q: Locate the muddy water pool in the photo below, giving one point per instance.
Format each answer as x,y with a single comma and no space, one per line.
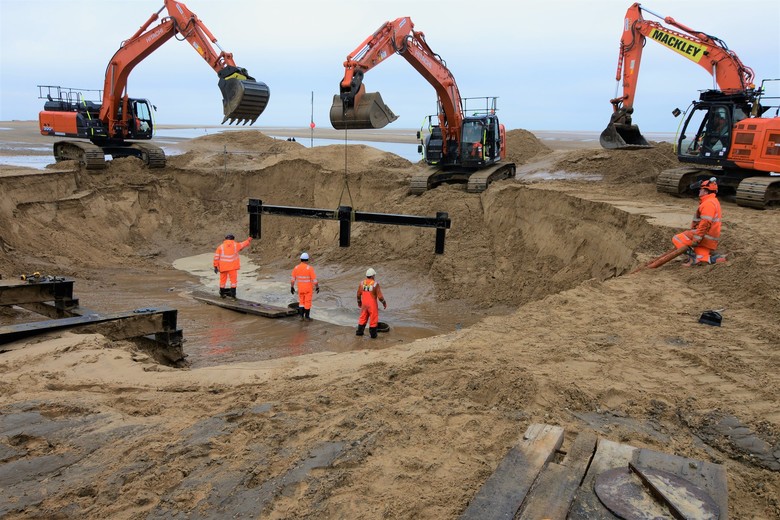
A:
215,336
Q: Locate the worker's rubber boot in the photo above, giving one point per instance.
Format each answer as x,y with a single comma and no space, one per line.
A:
307,314
222,292
232,293
300,313
717,258
372,332
360,330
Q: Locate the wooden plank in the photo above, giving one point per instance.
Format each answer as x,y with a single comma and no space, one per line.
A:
504,491
609,455
245,306
709,477
557,485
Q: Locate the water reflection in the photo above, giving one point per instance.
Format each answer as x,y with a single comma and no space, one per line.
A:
216,336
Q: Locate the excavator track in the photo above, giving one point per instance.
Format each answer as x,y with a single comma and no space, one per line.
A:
677,180
759,192
89,155
153,156
476,181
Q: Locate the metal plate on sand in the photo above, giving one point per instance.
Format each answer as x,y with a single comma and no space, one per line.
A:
650,494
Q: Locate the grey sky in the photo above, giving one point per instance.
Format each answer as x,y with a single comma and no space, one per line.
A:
552,63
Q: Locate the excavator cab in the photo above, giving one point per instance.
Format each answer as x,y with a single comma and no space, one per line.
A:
243,98
141,124
480,141
707,133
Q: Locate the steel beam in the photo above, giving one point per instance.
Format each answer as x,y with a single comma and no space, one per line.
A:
118,325
346,215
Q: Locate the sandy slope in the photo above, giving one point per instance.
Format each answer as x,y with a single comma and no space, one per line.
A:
97,429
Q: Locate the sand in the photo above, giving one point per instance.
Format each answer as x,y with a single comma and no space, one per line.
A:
93,428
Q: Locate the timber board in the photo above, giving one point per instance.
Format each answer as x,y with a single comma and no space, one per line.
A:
532,481
245,306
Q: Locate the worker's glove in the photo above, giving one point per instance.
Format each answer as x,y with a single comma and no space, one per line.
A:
317,290
216,270
384,305
292,290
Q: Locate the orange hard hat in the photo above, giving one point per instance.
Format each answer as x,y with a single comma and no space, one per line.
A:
710,184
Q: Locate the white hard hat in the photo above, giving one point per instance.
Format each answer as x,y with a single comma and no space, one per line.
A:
370,272
304,256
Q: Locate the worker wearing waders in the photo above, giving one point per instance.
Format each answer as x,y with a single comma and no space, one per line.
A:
703,236
368,294
227,263
303,274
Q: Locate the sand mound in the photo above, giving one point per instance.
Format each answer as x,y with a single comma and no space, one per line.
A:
620,166
522,146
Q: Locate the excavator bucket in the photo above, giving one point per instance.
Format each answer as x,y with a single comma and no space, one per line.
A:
370,113
620,136
243,99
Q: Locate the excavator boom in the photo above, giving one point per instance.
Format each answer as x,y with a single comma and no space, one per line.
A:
354,108
709,52
243,98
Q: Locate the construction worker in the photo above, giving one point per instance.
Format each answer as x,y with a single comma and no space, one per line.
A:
303,274
703,236
368,294
227,263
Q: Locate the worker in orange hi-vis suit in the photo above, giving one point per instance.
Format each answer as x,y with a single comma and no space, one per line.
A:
703,236
303,274
227,263
368,294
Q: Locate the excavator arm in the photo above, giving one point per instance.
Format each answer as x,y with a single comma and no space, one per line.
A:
709,52
353,108
244,99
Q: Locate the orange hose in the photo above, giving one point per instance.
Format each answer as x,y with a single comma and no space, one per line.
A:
661,260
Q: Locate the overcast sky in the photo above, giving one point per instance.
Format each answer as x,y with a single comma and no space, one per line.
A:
551,63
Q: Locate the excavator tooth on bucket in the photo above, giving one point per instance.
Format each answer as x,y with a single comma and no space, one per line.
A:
370,113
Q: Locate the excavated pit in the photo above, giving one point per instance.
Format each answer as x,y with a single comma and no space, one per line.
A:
529,317
155,232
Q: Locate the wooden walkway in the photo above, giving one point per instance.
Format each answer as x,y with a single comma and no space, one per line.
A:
537,480
245,306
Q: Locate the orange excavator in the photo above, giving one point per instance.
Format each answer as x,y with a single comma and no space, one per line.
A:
463,149
113,122
725,134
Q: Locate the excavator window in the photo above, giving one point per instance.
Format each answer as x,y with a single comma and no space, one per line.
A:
472,132
707,132
718,131
143,117
693,132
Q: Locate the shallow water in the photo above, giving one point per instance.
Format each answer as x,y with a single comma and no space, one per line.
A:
215,336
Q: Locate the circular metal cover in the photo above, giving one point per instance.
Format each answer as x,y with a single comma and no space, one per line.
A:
627,497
